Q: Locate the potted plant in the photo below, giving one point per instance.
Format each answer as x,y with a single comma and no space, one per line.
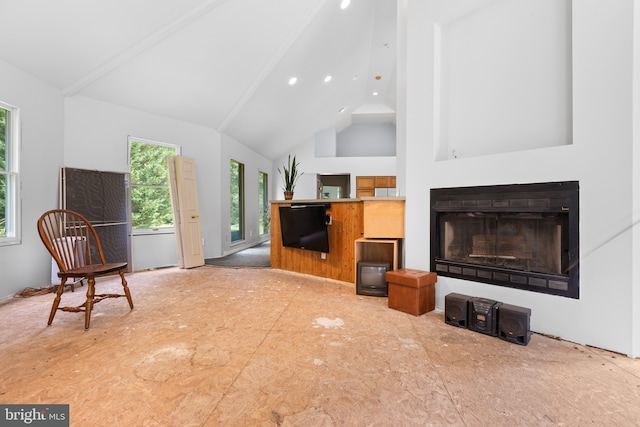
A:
290,174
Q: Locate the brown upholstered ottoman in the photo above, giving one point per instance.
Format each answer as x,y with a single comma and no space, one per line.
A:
412,291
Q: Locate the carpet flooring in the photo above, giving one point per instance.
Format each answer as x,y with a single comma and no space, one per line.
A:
217,346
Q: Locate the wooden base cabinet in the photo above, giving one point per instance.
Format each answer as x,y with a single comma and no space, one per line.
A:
378,250
346,226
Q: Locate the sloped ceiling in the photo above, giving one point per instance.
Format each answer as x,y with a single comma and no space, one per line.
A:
223,64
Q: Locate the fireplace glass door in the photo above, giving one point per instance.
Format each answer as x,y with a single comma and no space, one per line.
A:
532,242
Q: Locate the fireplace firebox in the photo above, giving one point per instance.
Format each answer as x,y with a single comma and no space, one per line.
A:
522,236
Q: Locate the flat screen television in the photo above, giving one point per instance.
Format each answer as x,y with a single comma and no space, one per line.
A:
304,227
371,278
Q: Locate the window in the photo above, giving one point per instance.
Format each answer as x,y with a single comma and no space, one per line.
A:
150,195
9,177
263,203
237,201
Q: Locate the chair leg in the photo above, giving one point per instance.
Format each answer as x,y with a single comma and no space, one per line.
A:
56,301
91,292
126,289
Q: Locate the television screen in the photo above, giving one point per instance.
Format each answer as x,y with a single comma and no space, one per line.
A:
304,227
372,278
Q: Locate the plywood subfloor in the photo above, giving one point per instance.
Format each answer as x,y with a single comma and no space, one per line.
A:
263,347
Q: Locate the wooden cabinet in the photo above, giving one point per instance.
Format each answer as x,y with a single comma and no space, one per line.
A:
365,182
378,250
366,185
382,181
365,193
383,219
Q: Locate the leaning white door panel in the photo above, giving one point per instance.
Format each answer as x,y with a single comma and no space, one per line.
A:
190,251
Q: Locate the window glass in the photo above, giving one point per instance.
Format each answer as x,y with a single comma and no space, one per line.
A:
263,202
3,168
3,206
150,194
9,215
237,201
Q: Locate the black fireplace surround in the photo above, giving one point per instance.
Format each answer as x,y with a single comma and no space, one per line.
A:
523,236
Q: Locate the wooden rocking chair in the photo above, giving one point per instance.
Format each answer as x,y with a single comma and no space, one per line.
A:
74,245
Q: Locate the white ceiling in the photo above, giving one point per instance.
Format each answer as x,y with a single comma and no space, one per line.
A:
224,64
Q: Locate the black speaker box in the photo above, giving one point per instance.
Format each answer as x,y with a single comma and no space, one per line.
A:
455,309
483,315
513,324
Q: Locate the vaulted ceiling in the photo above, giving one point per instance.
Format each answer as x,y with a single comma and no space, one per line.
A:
223,64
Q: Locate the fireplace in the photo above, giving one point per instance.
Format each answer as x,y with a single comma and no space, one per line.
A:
522,236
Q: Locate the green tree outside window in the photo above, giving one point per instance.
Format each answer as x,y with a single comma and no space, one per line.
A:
263,203
4,182
236,226
150,194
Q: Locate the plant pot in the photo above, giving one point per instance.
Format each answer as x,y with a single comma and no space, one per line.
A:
288,195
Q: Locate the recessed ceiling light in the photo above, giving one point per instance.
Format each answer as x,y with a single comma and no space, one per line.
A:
378,77
327,79
344,4
341,110
375,93
293,81
355,77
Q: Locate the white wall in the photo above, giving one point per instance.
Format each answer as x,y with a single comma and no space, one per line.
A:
497,93
29,264
253,164
84,133
635,301
311,166
96,138
367,139
600,158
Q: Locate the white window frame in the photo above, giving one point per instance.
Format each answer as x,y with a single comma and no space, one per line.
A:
178,149
241,202
13,220
264,213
